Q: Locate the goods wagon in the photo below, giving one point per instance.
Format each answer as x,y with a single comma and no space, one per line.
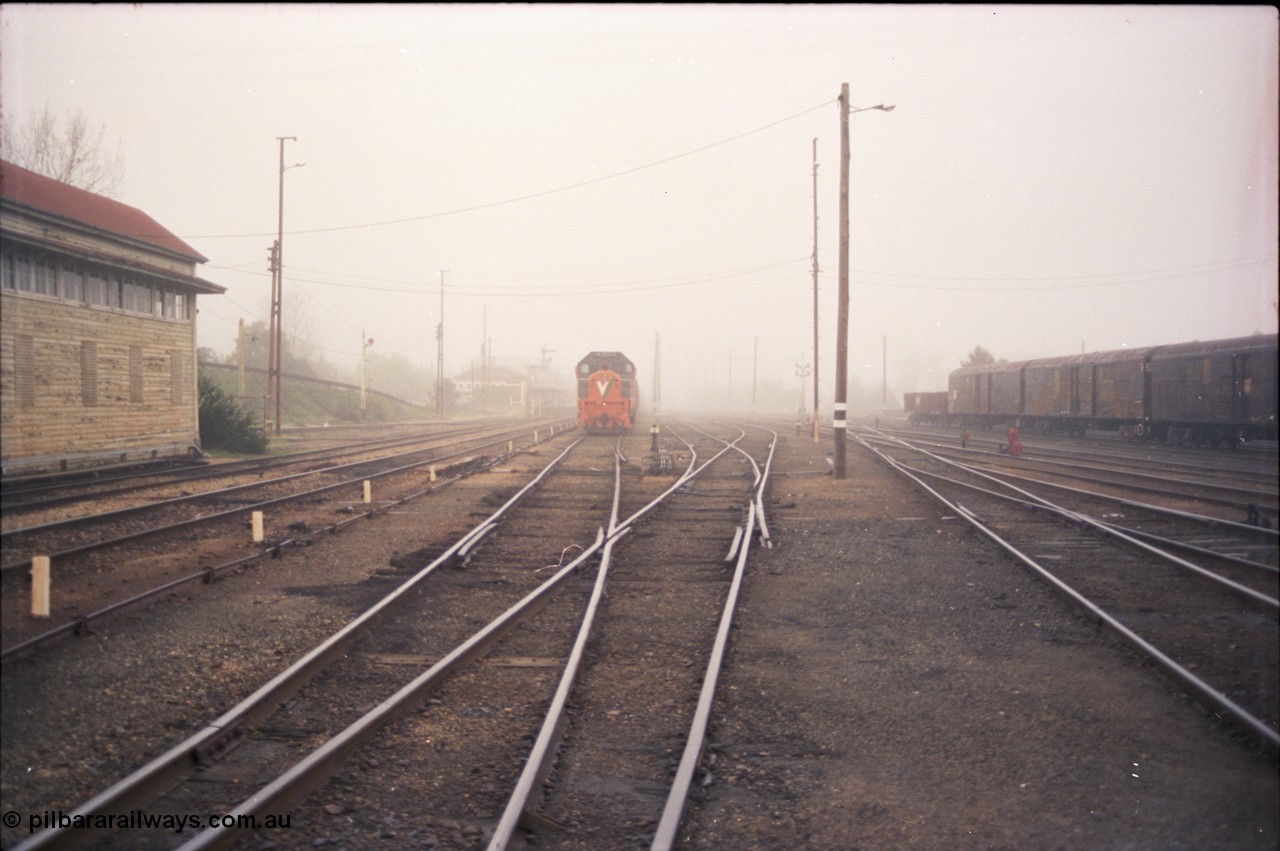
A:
1098,390
1215,392
925,407
981,394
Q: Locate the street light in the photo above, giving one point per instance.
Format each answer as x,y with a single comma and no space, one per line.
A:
277,291
838,422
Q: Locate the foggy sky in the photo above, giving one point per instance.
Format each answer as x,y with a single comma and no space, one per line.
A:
1052,179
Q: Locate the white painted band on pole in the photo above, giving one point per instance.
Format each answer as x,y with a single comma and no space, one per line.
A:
841,407
838,424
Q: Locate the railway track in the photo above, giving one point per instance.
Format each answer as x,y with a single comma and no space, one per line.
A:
510,587
103,559
25,498
1208,619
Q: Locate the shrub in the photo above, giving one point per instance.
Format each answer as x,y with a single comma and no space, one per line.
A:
224,425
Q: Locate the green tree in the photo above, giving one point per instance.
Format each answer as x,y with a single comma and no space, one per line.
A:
224,425
978,357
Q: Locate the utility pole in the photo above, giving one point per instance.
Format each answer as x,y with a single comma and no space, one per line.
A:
440,353
273,340
816,409
657,374
277,304
838,423
755,371
240,356
884,373
365,343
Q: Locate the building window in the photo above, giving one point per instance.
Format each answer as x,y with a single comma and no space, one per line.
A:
73,286
126,295
98,291
45,276
135,375
89,374
22,273
24,351
142,299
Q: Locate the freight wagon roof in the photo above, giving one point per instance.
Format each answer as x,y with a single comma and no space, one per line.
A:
44,194
989,368
1113,356
1256,343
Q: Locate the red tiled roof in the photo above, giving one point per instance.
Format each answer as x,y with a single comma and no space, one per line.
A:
62,199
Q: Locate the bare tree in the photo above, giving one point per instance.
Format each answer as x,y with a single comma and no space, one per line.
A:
67,150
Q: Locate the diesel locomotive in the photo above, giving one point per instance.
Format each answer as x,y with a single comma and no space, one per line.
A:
1220,392
608,394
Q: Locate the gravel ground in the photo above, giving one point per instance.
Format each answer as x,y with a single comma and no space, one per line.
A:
895,682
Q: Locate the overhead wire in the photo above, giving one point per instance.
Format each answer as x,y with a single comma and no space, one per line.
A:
544,193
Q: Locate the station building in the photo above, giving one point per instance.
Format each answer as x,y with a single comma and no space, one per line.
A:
97,331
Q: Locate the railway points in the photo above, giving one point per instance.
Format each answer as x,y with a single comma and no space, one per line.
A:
890,680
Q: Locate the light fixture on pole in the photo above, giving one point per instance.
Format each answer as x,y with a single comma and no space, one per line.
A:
277,295
842,308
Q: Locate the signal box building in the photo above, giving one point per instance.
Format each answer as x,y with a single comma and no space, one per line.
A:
97,330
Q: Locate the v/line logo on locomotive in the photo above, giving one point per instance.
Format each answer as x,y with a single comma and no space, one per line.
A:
608,394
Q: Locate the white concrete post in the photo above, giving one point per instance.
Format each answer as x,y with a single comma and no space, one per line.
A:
40,590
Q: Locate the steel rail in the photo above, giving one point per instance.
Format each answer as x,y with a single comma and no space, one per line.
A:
1140,481
1138,540
231,512
501,436
1086,520
12,496
1215,699
208,574
1116,532
315,768
1093,455
1137,533
542,755
168,769
1243,528
669,823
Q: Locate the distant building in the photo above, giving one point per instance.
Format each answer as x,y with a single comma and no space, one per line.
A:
97,330
507,390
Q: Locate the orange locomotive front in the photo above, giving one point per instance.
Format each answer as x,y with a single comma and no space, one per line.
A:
607,393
